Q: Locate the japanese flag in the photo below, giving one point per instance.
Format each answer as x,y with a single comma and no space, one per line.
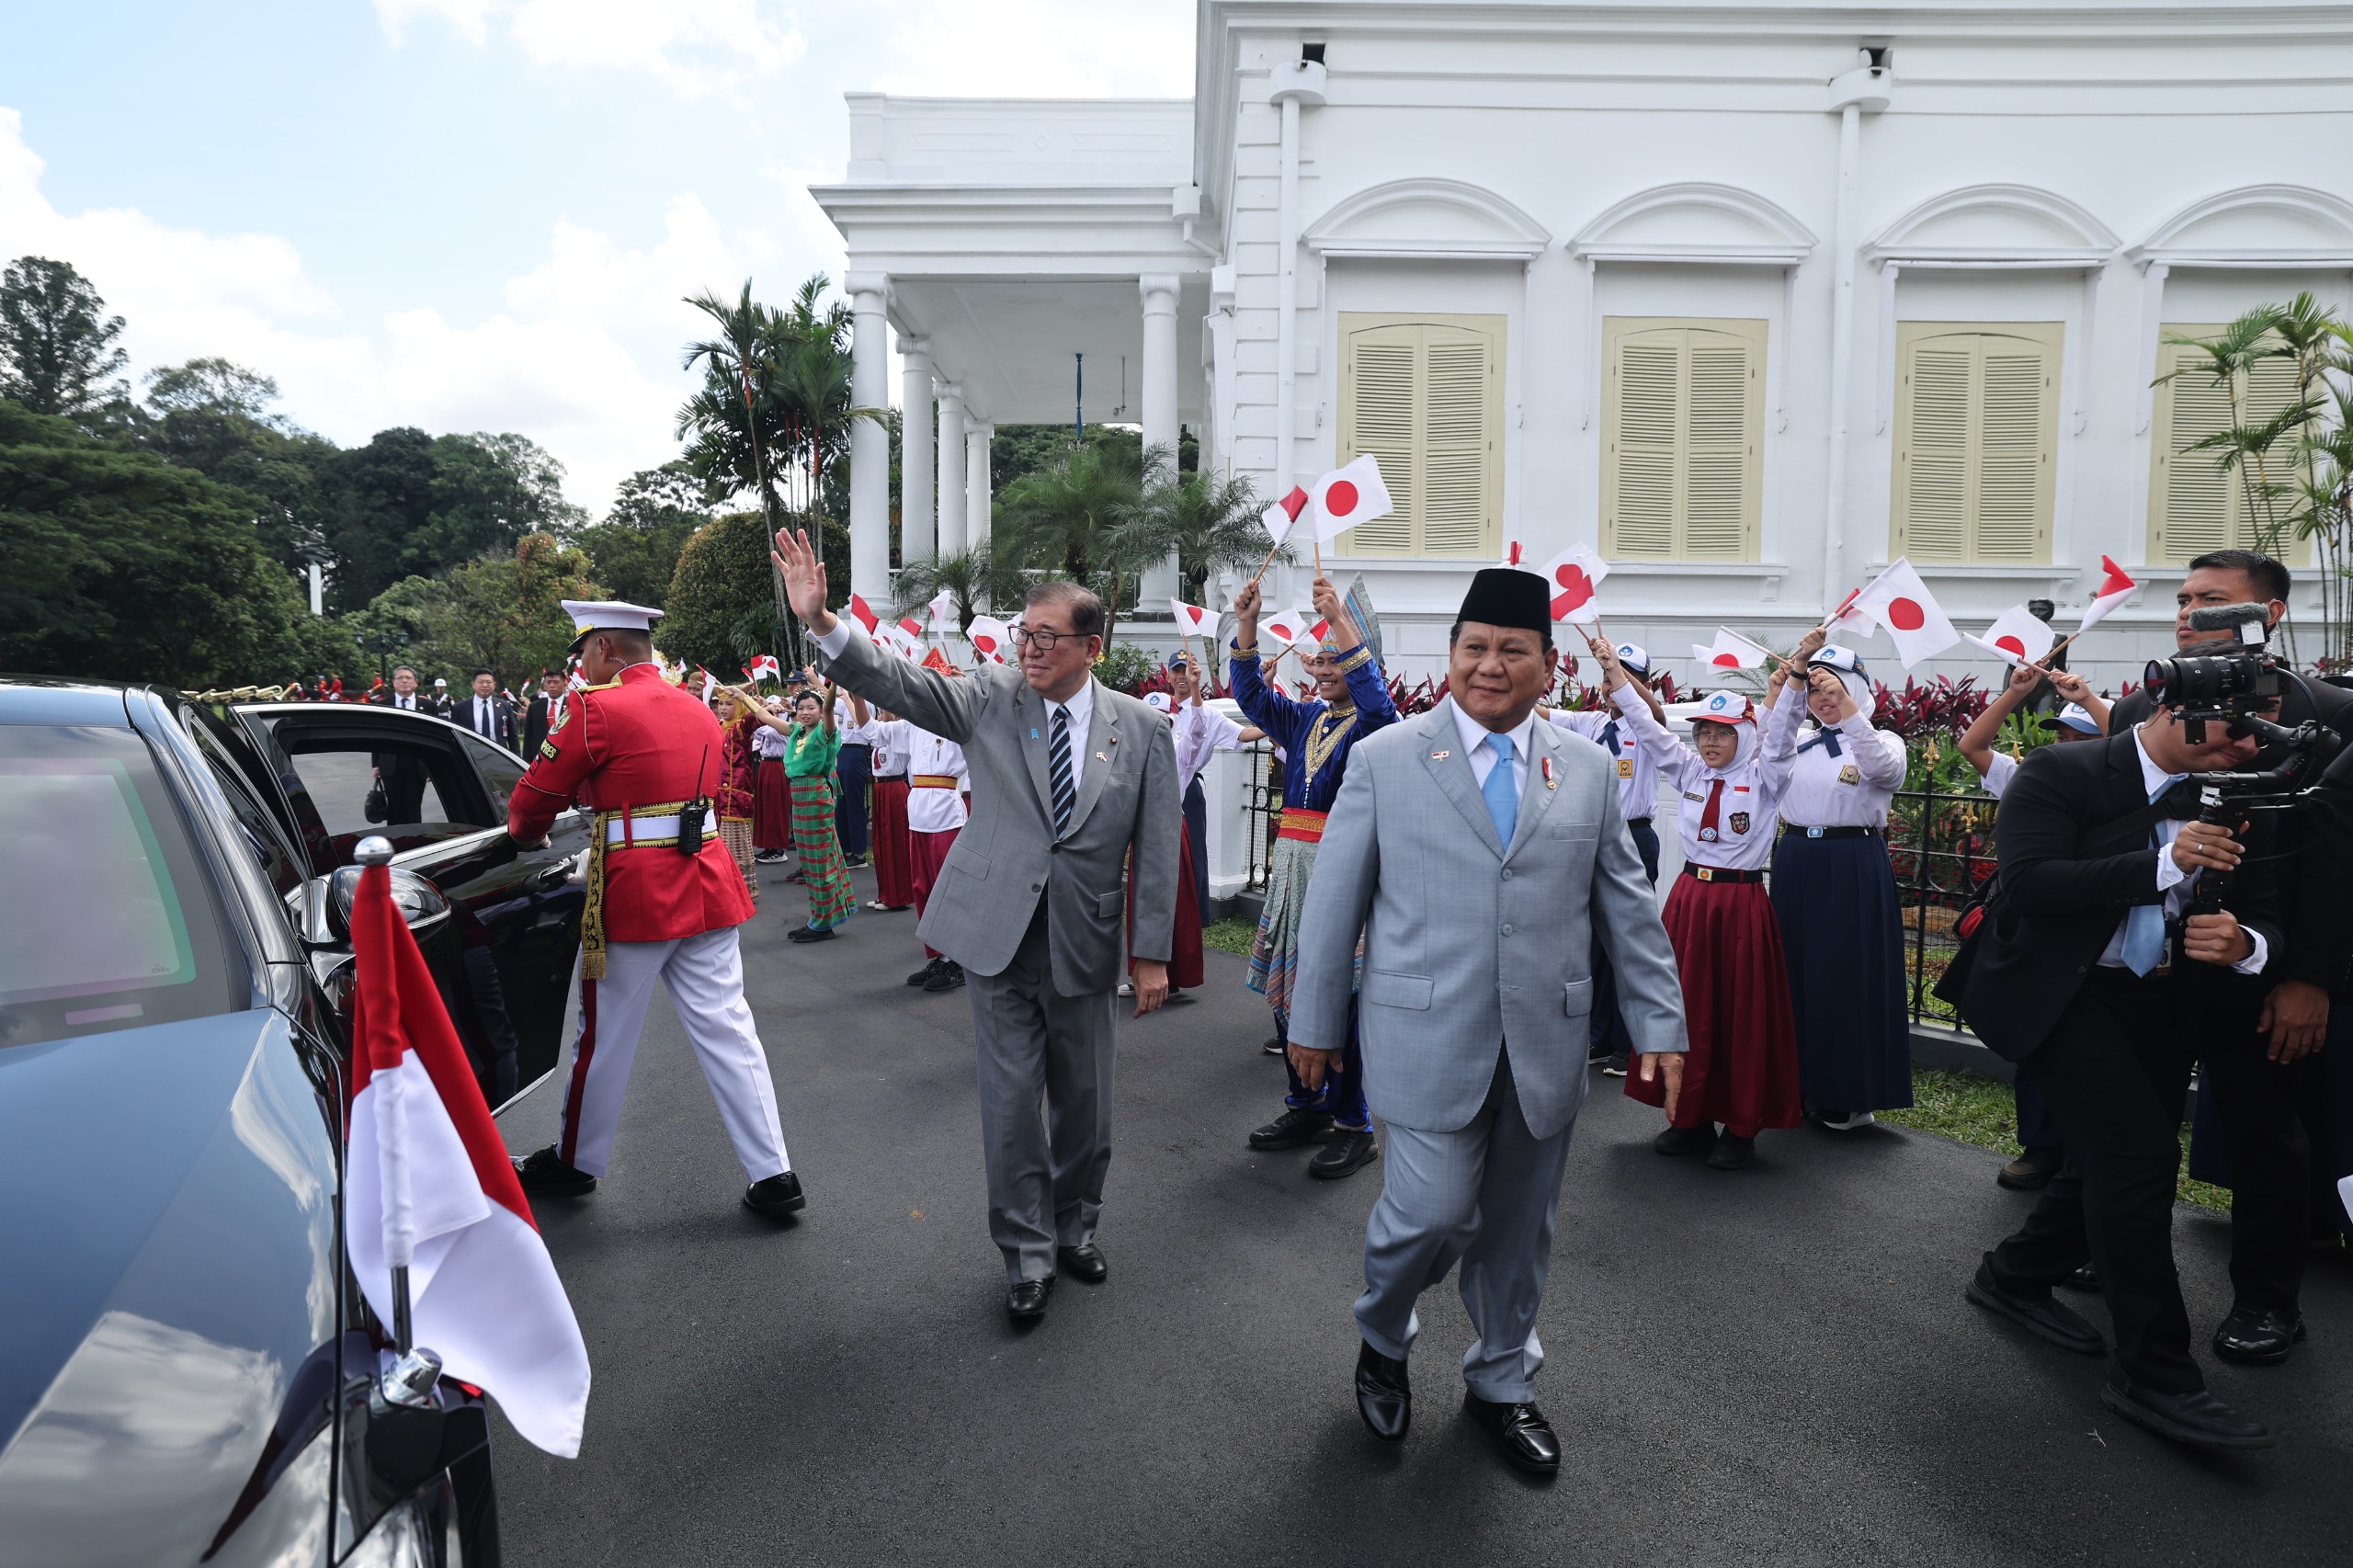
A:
2016,637
1730,650
943,613
1285,627
1280,516
1908,613
1192,621
2114,589
990,637
864,616
1348,496
1575,573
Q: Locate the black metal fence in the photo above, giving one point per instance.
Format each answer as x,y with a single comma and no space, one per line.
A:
1262,799
1942,844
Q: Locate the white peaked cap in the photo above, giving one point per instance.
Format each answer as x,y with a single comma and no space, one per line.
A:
608,615
1157,700
1631,655
1725,707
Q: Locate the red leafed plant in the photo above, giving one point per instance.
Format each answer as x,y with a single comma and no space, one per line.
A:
1944,706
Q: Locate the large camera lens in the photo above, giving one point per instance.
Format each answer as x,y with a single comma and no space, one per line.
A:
2202,681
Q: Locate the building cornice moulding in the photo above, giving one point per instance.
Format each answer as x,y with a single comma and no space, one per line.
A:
2077,239
1380,221
1779,239
2328,217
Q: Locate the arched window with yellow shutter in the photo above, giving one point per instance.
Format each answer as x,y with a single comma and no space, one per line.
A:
1425,395
2194,506
1976,440
1682,439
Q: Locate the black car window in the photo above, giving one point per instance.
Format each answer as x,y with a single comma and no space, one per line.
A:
108,919
499,771
256,831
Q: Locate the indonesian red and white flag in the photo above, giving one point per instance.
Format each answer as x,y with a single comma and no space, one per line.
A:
1574,574
710,684
2016,637
1285,625
863,614
763,667
907,636
1515,556
990,637
943,613
1313,628
1192,621
1349,495
1730,650
1278,517
430,1188
2114,589
1902,606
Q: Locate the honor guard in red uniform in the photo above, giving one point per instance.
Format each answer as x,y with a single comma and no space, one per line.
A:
665,898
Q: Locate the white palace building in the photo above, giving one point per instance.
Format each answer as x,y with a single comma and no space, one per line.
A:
1751,298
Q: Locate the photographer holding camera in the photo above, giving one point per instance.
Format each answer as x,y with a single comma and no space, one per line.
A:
2254,1074
2100,972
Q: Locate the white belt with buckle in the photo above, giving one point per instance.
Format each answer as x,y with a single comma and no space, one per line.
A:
640,829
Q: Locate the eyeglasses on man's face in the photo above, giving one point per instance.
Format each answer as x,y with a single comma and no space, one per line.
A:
1045,637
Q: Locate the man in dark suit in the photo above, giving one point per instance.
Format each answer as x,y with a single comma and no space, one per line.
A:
403,774
2258,1080
544,702
485,712
2093,978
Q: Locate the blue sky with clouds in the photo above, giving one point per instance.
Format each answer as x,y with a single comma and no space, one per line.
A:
482,215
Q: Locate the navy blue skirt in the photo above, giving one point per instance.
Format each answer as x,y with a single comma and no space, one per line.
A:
1844,938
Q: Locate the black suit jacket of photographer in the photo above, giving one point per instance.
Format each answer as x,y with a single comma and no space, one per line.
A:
2316,855
2071,866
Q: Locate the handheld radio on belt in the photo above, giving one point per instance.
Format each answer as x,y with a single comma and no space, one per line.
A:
691,814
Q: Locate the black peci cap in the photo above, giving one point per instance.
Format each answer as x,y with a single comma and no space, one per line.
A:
1504,595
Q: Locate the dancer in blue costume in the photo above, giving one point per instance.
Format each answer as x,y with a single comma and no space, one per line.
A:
1317,736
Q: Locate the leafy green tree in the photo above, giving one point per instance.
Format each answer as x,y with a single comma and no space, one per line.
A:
216,417
721,609
397,623
114,564
1208,524
409,504
1064,519
635,552
58,346
503,611
488,492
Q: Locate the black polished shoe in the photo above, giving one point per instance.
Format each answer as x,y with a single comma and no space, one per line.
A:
2033,1171
2062,1325
776,1196
1026,1302
1615,1067
2085,1280
923,976
2196,1418
2257,1336
1383,1397
1296,1128
1345,1154
1685,1139
1732,1154
544,1174
950,976
1084,1263
809,934
1273,1045
1526,1436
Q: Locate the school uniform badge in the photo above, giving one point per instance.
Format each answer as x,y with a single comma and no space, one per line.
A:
1850,774
1625,767
1740,822
1707,836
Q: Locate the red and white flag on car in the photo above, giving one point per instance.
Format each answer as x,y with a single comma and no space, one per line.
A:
2016,637
763,667
430,1188
1192,621
1349,495
2114,589
1730,650
1278,517
990,637
1900,603
1574,574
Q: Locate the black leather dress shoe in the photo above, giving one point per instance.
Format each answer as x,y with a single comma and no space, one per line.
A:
1026,1302
1525,1435
811,933
1685,1139
1732,1154
2086,1279
930,967
1345,1154
1383,1397
544,1174
1294,1128
2062,1325
2257,1336
2033,1171
1084,1263
2196,1418
950,976
776,1196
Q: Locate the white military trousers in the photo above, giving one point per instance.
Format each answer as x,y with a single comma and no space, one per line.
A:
704,975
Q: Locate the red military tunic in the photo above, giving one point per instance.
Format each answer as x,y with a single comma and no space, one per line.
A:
635,743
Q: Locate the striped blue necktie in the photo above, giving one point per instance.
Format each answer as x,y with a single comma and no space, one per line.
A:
1058,754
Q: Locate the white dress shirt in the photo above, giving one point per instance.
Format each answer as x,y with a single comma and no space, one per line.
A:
1475,736
771,744
407,703
930,808
485,724
890,742
1998,774
1748,807
2172,880
1199,731
1637,763
1851,790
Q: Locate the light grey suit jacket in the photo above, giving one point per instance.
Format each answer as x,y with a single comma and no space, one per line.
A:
1470,943
1006,856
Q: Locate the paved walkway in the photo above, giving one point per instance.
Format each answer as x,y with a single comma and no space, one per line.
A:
1762,1368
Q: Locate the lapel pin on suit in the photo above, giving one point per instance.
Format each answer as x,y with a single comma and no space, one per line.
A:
1549,782
1440,756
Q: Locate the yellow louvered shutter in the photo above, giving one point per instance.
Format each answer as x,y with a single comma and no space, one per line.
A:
1976,440
1424,395
2194,506
1682,439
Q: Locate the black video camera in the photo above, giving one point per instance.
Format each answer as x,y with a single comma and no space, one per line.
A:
2232,688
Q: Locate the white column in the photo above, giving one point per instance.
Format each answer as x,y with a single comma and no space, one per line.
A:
951,491
1842,358
977,499
916,438
1295,83
1161,426
870,443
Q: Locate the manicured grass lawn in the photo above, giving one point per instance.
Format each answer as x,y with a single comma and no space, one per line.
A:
1229,936
1970,1109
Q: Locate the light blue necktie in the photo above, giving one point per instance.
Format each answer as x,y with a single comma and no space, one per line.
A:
1502,793
2145,923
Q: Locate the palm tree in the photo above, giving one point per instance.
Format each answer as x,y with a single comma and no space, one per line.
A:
972,577
1062,519
1207,523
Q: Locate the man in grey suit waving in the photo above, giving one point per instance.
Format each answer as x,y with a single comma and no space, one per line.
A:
1068,776
1477,852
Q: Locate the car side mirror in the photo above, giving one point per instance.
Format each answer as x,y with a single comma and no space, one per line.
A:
326,900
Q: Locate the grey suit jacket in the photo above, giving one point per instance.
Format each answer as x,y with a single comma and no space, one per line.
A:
1471,944
1006,856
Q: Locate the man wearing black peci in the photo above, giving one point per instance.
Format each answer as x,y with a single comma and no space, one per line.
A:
2090,975
2259,1077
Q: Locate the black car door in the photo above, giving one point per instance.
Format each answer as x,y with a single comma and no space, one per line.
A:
503,963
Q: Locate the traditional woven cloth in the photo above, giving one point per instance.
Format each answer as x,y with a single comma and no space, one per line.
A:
830,897
736,834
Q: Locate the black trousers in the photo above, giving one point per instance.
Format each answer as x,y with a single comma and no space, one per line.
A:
1197,818
2115,1072
2260,1104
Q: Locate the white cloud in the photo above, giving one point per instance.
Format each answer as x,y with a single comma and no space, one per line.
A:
694,47
1051,49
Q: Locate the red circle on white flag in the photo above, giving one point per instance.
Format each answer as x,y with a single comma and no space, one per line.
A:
985,643
1341,499
2011,645
1906,615
1727,661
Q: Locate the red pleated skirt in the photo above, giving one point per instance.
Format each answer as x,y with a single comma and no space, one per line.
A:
1185,939
893,877
771,807
1743,1068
